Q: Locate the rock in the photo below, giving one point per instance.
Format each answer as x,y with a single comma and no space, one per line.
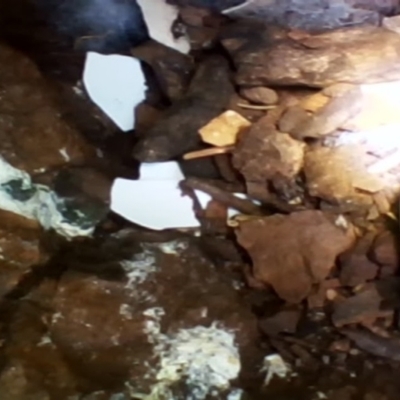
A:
200,25
326,290
285,321
392,23
145,117
385,250
330,117
224,129
125,322
315,15
34,135
263,153
176,132
336,174
302,245
260,95
173,70
274,57
292,118
38,141
21,250
362,307
355,267
374,344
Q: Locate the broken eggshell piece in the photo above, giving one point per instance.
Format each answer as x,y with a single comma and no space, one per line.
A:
159,17
116,84
155,201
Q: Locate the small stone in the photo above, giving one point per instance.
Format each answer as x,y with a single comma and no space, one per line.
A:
302,246
224,129
385,250
260,95
355,267
364,306
340,346
292,117
285,321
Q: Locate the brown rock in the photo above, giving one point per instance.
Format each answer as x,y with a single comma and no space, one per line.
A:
20,250
145,117
355,267
97,350
335,174
392,23
385,250
34,135
314,102
292,117
330,117
263,153
260,95
224,129
172,69
302,246
317,60
285,321
326,290
106,320
364,306
176,132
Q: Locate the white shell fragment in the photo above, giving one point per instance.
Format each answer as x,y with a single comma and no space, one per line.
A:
154,204
159,17
155,201
116,84
274,365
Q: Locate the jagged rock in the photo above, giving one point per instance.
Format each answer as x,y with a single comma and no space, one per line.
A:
302,246
173,70
266,56
176,132
21,250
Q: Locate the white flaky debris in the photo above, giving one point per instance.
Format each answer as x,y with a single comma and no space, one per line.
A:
65,155
125,310
174,247
159,17
274,365
155,201
235,394
205,359
45,340
341,222
139,268
116,84
41,205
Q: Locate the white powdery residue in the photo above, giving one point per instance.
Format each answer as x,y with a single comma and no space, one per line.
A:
64,154
235,394
274,365
204,358
55,317
174,247
139,269
41,206
126,311
45,340
47,213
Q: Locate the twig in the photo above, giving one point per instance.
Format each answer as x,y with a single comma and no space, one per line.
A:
228,199
213,151
254,107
